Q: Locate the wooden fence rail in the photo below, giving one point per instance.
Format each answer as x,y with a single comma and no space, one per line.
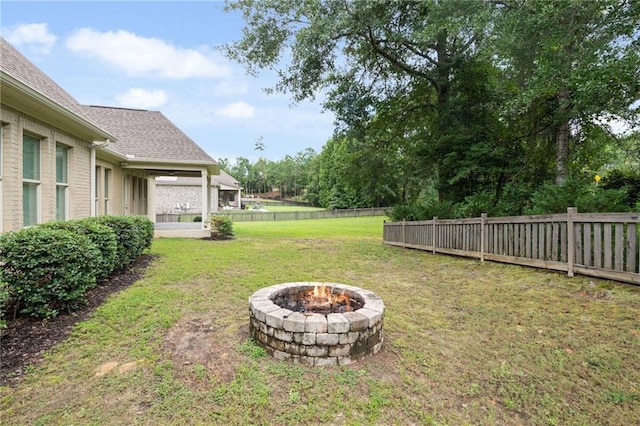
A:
603,245
257,216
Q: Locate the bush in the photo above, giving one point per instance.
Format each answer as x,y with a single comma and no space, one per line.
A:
224,226
47,270
425,210
584,196
626,179
4,303
133,234
102,236
197,219
145,230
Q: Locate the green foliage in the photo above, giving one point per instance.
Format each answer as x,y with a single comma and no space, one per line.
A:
48,270
133,234
483,101
290,175
101,235
586,197
4,302
422,210
197,219
145,230
627,180
251,349
222,224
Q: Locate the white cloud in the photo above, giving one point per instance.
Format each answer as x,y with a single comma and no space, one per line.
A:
230,89
141,98
137,55
34,36
236,110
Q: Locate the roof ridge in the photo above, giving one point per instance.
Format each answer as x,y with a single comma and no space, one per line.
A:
122,108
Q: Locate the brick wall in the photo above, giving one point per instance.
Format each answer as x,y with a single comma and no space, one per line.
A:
14,126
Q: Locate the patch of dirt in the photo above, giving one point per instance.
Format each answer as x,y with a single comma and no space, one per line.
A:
199,344
25,340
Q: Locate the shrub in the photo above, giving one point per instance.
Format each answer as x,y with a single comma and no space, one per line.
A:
102,236
197,219
47,270
144,230
575,193
224,226
128,236
424,210
626,179
4,303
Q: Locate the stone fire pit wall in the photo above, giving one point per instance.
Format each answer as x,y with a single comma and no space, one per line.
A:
316,339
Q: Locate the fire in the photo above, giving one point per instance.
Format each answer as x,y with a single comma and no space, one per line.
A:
322,297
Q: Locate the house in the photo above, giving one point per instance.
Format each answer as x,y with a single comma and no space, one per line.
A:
61,160
181,194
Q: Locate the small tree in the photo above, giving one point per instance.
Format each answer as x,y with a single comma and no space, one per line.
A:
222,226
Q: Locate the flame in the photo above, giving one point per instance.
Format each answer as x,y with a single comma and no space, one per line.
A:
322,296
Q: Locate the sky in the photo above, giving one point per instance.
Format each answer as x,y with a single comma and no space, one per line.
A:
164,56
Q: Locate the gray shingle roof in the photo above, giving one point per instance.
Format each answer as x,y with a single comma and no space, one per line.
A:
226,179
143,134
17,66
146,134
223,178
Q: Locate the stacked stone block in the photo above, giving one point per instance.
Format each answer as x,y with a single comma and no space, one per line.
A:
312,338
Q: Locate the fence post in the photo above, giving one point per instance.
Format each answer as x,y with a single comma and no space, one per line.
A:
433,233
483,235
571,243
403,222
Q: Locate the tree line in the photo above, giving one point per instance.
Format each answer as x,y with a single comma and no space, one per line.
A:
453,107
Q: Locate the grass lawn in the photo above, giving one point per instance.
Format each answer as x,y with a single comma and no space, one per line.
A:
465,342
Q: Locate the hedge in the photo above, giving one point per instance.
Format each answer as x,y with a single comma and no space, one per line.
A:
133,235
101,235
47,269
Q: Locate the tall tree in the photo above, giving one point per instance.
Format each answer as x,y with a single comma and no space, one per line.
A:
576,63
367,55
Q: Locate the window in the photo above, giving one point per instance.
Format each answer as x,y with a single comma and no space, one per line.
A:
107,182
62,181
30,180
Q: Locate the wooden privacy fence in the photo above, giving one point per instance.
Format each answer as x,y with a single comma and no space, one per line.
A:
603,245
258,216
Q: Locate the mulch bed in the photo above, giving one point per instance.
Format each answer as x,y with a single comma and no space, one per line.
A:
25,340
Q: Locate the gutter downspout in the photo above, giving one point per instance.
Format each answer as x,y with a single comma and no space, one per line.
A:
93,179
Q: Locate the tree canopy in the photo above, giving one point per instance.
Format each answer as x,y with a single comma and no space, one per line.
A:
484,99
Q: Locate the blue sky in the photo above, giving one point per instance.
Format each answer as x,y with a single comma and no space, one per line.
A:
161,55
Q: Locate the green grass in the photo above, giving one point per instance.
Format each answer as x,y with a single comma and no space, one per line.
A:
465,342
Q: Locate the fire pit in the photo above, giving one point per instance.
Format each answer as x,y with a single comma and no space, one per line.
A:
317,323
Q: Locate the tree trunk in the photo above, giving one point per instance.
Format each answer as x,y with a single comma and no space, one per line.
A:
562,138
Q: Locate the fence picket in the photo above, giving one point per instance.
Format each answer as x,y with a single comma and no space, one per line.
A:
631,247
602,245
608,255
577,232
555,240
586,253
597,245
619,245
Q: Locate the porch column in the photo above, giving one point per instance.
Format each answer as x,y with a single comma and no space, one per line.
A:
206,203
151,198
92,181
215,199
